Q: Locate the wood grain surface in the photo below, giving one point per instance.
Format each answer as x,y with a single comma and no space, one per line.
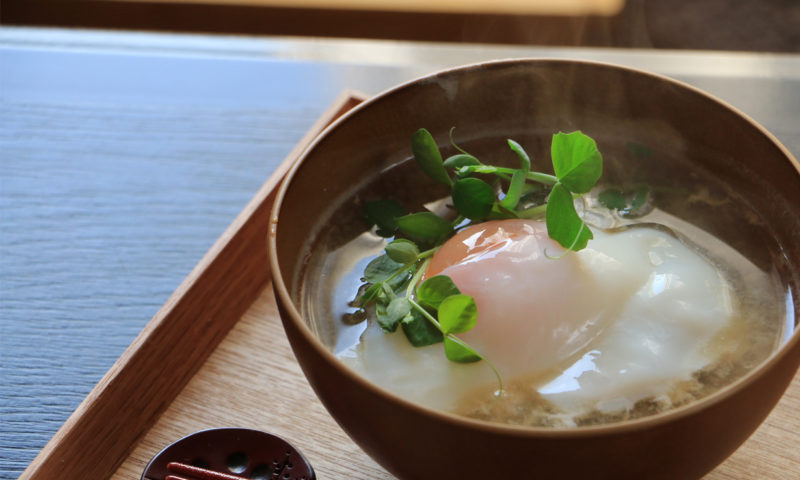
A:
252,380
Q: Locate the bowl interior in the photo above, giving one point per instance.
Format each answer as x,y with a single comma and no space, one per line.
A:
650,129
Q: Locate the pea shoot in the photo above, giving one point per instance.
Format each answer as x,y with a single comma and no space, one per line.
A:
435,310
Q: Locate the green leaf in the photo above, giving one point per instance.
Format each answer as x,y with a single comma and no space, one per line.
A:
473,198
383,294
419,331
381,304
524,159
428,157
457,351
435,289
563,223
402,251
461,160
457,314
576,161
628,201
390,316
424,226
382,214
640,198
400,281
613,199
371,294
488,169
514,190
380,269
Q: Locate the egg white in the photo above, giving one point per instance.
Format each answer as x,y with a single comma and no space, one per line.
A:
634,313
662,333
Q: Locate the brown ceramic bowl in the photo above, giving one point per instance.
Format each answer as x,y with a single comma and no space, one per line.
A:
528,100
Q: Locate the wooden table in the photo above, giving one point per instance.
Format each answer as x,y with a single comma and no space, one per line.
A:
123,156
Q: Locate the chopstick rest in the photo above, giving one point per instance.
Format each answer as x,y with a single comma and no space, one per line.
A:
229,454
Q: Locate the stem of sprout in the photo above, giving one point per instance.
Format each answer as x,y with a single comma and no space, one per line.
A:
412,284
427,253
491,365
542,178
425,314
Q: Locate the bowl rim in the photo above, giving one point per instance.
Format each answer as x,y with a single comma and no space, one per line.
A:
587,431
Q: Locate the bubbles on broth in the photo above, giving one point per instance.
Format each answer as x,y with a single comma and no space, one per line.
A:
682,200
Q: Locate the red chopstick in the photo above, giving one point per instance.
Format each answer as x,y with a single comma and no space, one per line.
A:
197,473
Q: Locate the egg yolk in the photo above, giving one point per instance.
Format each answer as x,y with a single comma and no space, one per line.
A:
534,311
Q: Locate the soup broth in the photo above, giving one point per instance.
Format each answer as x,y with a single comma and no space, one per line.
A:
686,206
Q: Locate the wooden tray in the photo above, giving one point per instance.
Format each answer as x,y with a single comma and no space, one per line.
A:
215,355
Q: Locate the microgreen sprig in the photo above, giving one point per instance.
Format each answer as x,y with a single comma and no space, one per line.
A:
436,310
577,165
432,313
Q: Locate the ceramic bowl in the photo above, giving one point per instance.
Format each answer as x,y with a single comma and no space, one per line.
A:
635,117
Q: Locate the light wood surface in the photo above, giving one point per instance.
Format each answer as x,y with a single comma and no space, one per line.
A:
252,380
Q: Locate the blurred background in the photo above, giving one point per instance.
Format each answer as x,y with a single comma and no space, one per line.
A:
741,25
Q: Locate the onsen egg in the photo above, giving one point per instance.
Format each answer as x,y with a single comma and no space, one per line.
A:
624,319
535,311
